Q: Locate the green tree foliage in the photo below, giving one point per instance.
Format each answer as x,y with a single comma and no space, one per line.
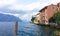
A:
55,18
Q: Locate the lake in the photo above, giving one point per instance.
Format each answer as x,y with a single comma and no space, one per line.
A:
25,29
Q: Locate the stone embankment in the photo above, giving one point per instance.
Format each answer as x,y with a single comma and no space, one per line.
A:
51,25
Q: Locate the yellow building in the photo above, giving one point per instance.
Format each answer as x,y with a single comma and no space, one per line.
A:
37,18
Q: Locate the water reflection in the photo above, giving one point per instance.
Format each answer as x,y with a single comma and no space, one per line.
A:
29,29
47,31
26,29
57,32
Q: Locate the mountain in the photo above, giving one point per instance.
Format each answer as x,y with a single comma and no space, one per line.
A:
8,18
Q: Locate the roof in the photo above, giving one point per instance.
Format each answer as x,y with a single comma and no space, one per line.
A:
43,8
47,6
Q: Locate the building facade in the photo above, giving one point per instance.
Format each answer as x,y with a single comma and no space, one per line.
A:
37,18
47,12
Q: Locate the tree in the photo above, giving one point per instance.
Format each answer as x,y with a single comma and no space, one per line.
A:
55,18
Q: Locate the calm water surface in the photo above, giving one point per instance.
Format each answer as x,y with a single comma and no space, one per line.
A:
25,29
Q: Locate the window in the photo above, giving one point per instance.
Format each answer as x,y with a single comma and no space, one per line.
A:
53,7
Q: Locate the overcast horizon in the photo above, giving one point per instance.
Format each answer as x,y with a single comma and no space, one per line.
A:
24,9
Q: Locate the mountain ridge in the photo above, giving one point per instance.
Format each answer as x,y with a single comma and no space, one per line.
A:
8,18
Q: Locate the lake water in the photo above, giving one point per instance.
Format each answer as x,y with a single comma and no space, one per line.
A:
25,29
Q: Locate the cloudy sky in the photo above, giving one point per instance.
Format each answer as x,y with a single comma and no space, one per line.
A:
24,9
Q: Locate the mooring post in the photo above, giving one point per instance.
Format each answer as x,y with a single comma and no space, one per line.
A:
15,28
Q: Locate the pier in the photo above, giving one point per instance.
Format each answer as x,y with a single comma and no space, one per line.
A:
15,28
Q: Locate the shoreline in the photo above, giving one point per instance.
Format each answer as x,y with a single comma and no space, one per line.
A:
49,25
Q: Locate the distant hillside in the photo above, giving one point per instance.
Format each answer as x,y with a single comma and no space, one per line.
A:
8,18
